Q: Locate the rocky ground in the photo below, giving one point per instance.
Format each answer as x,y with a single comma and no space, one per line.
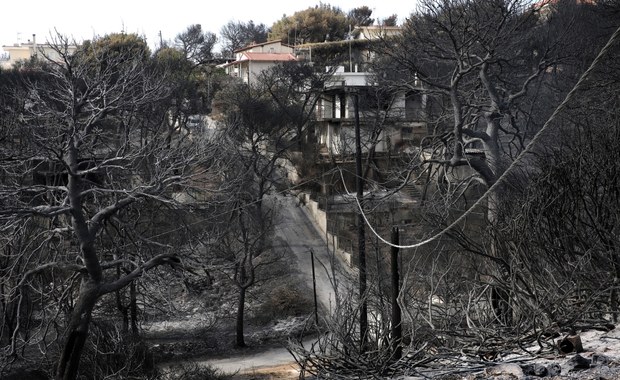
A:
598,359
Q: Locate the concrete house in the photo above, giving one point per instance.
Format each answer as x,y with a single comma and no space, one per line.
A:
402,118
25,51
396,121
251,60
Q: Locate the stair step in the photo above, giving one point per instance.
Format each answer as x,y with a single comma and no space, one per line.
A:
412,191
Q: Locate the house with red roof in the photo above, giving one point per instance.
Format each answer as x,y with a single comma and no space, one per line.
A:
251,60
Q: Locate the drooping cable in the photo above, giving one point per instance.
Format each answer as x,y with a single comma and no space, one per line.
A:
511,167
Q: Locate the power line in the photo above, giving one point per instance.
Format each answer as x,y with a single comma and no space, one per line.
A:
504,175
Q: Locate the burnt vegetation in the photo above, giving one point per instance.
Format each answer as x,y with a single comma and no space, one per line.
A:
122,208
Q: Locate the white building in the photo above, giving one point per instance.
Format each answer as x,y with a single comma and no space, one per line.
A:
25,51
251,60
402,119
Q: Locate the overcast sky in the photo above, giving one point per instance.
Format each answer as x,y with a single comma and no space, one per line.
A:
19,20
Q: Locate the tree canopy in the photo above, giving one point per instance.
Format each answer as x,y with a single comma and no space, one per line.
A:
320,23
118,44
237,34
196,44
360,16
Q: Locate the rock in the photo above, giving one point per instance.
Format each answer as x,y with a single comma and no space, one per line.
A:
577,363
599,360
535,369
506,370
554,369
605,373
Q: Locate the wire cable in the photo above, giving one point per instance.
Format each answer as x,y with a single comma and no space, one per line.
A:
510,168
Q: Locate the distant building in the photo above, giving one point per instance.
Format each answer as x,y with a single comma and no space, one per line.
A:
375,32
25,51
403,119
251,60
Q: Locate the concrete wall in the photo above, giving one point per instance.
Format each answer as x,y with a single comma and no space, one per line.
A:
319,218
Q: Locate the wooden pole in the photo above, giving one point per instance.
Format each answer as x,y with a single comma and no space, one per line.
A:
316,306
397,333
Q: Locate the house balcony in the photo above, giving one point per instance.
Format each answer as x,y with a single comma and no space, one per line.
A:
326,115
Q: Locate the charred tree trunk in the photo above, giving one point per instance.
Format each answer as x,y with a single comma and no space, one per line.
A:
613,294
500,292
77,332
122,309
240,340
133,308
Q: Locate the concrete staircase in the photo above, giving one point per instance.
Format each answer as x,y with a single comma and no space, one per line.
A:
412,190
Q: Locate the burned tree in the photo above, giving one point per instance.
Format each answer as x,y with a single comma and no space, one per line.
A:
486,63
90,144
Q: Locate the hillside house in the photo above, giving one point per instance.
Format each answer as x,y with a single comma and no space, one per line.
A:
251,60
401,118
393,124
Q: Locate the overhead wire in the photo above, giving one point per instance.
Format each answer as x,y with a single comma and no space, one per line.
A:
502,177
512,165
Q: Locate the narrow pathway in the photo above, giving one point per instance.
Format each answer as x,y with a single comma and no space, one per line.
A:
302,237
270,358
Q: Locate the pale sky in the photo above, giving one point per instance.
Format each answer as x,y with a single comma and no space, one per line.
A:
19,20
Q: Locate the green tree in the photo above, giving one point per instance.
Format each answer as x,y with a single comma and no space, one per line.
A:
117,44
237,34
360,16
191,75
320,23
196,45
390,21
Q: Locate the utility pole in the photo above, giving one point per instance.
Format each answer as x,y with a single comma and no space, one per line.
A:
361,228
397,332
316,305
